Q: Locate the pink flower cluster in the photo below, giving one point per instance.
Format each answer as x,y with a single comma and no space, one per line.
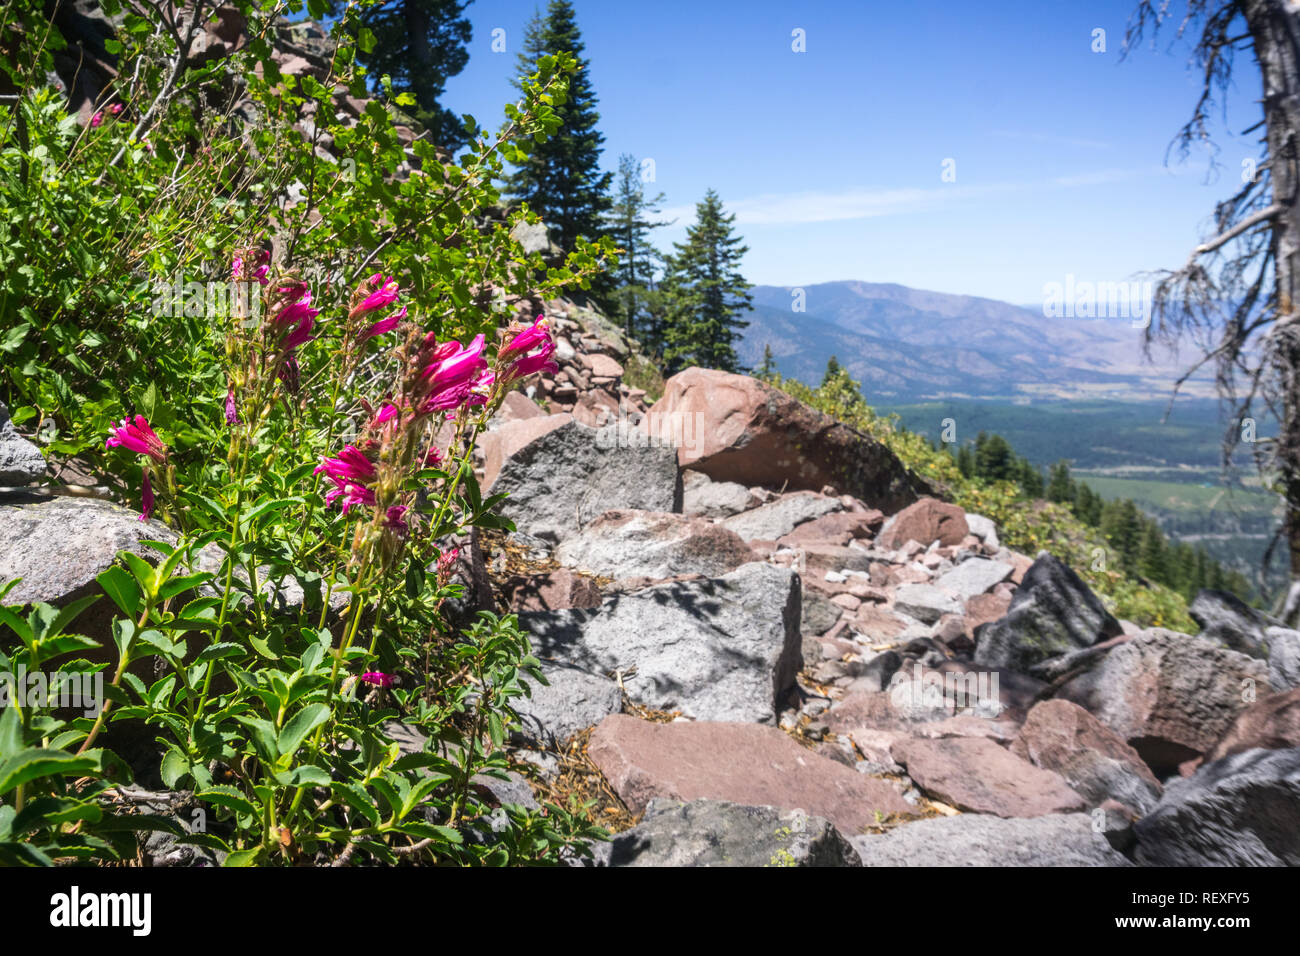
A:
138,437
253,266
528,352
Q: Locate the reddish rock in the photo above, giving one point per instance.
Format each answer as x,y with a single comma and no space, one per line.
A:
985,609
1272,723
596,408
735,428
601,366
878,624
1172,696
744,763
1064,738
551,591
839,529
977,775
1020,565
925,521
498,444
517,406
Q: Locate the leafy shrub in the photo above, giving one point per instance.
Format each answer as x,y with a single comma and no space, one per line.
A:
304,420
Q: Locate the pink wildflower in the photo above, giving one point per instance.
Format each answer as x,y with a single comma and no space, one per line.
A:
232,410
378,678
384,325
382,293
529,338
115,109
350,472
138,437
97,119
395,519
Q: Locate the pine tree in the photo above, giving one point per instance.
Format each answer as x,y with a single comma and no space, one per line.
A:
420,44
561,179
1060,486
1031,479
765,370
994,459
966,461
1151,556
629,224
705,293
832,371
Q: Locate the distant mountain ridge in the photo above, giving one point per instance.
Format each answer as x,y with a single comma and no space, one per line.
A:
908,344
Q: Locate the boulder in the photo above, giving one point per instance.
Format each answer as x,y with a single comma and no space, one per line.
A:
1170,695
21,462
718,833
984,609
974,840
818,615
1270,724
624,544
1228,620
735,428
924,522
975,774
713,499
1283,657
510,434
1094,760
569,474
837,528
717,649
973,577
573,700
925,602
742,763
984,529
550,591
778,518
1052,612
1243,810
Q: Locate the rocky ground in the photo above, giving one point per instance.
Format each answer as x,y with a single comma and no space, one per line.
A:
779,647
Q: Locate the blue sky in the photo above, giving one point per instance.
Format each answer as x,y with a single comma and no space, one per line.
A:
833,158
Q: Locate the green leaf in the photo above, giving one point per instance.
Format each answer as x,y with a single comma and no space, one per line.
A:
216,652
36,762
302,724
174,766
224,795
121,587
242,857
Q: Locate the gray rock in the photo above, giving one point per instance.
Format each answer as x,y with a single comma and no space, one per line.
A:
21,462
778,518
1283,658
925,602
984,529
1230,621
974,576
1066,839
1171,696
714,499
564,480
625,544
717,833
573,701
1243,810
718,649
819,614
1052,612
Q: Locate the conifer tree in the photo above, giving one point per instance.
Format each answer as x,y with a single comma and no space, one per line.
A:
420,44
629,224
1060,486
561,179
705,294
765,370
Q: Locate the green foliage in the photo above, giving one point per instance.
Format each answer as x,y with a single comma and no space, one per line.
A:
558,175
636,303
260,712
420,44
704,292
987,478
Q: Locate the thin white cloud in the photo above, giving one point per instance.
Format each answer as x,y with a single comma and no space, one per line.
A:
864,203
1051,139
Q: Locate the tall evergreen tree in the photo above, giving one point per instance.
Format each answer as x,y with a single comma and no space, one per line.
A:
561,179
1060,486
630,224
420,44
994,459
705,294
766,369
